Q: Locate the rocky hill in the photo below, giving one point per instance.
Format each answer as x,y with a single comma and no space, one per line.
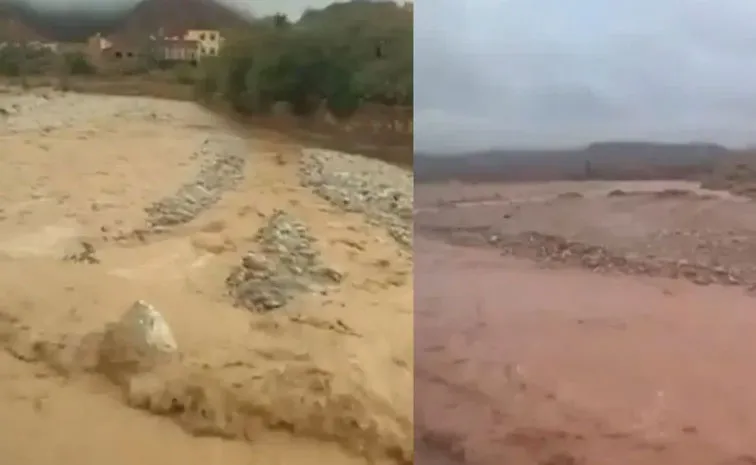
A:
18,21
15,24
178,15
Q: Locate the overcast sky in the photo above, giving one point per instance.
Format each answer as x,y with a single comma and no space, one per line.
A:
293,8
555,72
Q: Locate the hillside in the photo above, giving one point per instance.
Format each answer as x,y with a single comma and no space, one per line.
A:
605,160
21,22
178,15
15,24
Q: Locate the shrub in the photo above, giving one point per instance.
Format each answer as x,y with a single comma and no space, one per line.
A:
343,55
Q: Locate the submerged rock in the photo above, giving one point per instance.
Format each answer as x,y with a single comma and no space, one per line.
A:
138,342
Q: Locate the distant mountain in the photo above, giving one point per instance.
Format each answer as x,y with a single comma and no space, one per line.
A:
176,16
604,160
19,21
15,24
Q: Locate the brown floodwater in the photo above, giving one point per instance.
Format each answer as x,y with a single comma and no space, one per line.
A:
520,365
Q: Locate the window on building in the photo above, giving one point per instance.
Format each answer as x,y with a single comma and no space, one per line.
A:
213,36
202,36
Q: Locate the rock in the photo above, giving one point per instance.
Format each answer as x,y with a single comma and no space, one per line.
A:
287,264
382,192
557,250
138,342
222,167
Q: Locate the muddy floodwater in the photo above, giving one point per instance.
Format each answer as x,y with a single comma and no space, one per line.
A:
518,364
106,200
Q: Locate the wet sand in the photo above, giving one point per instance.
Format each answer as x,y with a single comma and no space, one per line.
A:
521,365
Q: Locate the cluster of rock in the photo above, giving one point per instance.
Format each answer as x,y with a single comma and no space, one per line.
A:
286,265
552,249
221,169
382,192
45,109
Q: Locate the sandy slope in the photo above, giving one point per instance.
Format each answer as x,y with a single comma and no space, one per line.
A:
281,385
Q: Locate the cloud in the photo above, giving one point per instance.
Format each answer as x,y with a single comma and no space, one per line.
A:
549,72
293,8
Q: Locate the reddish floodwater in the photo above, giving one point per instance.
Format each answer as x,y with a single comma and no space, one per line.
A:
521,366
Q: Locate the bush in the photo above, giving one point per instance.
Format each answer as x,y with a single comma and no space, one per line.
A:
10,61
343,55
77,64
185,73
21,61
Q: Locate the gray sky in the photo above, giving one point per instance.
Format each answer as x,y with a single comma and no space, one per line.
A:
293,8
502,73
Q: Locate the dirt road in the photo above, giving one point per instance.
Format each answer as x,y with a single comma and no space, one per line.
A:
537,360
106,200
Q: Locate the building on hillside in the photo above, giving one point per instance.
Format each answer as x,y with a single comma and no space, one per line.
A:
115,53
209,41
117,48
177,50
190,45
97,43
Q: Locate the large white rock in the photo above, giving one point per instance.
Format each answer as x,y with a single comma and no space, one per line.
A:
149,326
137,342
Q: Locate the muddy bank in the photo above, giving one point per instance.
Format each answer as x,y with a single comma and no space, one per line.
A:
376,131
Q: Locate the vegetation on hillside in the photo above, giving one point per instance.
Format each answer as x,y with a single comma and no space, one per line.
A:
23,61
18,61
343,55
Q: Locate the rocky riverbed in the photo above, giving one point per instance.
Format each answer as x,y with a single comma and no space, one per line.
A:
380,191
288,263
672,233
221,168
112,200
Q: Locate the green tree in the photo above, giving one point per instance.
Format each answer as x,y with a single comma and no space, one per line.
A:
343,55
78,64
